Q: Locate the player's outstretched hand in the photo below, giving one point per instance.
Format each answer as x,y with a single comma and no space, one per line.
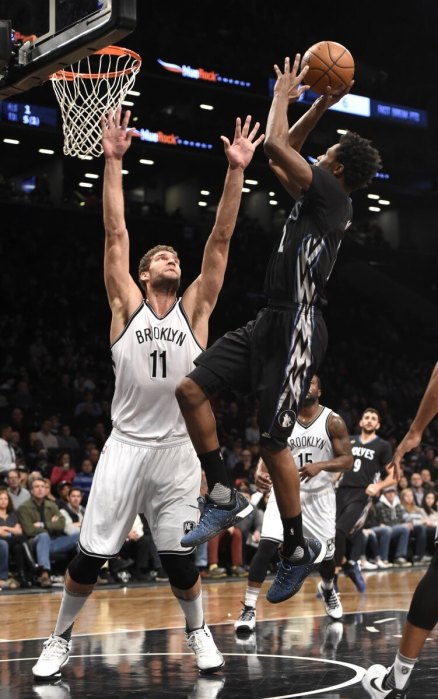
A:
241,150
329,98
411,440
116,136
289,83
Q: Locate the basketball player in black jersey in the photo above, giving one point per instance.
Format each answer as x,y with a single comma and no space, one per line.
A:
357,487
392,683
275,356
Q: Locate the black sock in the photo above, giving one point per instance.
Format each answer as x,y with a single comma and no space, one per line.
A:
215,472
293,535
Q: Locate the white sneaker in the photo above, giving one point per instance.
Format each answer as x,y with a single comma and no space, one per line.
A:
372,683
54,656
332,603
208,658
365,564
247,620
383,565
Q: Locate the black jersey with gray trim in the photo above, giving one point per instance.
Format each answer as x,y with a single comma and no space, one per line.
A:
369,461
301,264
150,357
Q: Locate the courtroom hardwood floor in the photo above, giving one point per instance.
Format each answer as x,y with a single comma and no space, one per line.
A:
129,641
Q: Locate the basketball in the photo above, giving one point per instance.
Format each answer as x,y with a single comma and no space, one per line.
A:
329,63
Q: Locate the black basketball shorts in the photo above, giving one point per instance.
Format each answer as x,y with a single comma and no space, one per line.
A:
273,358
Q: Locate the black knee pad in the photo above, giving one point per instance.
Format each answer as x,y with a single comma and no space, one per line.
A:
423,611
84,569
181,570
261,560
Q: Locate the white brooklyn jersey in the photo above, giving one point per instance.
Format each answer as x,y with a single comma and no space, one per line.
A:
150,358
311,443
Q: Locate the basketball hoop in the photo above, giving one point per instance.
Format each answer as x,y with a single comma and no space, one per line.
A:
87,90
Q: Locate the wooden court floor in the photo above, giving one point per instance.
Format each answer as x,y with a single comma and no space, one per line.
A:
129,642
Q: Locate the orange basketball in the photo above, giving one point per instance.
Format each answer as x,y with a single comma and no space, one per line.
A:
329,63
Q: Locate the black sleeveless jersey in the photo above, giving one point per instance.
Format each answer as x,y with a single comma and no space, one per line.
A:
369,461
300,266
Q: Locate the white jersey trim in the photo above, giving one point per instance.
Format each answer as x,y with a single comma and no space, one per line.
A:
153,444
137,310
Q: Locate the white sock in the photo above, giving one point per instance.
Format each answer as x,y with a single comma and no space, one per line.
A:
71,605
400,672
251,596
327,584
193,612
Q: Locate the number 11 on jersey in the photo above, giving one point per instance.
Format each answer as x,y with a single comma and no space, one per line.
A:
158,364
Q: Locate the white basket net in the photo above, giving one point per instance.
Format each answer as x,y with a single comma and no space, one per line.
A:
87,90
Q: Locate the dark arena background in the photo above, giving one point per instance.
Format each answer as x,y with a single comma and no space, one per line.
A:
204,64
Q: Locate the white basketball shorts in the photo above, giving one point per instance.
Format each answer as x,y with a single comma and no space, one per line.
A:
319,518
163,482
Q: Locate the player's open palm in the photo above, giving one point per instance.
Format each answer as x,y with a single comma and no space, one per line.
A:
289,82
241,150
116,137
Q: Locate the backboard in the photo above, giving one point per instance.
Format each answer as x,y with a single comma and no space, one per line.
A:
39,38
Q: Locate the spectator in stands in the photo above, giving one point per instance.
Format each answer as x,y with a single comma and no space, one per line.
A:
415,516
100,435
72,511
45,436
429,505
62,492
23,472
428,484
7,453
63,471
67,441
416,485
84,479
44,525
252,432
392,527
242,469
49,494
11,539
18,447
17,493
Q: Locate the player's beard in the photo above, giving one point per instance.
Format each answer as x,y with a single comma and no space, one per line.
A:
368,430
309,400
167,285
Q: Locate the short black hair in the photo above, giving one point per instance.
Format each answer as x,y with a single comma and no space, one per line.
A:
360,159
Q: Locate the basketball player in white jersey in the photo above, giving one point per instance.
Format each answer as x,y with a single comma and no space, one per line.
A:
320,445
148,463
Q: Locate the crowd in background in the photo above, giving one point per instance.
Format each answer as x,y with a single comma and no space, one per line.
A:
56,379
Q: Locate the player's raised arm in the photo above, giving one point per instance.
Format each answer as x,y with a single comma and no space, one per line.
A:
123,294
293,171
427,409
201,296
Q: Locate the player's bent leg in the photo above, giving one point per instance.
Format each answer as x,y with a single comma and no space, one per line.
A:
186,586
256,576
224,506
299,555
80,579
326,588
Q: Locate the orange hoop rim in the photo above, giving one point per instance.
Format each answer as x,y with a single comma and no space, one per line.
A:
108,50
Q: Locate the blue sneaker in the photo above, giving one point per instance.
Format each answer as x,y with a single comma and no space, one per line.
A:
352,570
216,518
290,576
